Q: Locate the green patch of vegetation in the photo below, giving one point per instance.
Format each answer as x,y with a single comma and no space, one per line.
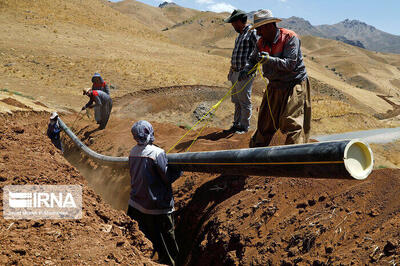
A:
382,167
17,93
185,126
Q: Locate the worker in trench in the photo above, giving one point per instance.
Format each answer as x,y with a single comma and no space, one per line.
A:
102,103
286,103
53,131
241,93
151,202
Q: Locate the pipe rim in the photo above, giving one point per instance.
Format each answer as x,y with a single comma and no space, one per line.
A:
358,159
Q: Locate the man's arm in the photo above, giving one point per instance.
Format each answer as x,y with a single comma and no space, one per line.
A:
167,173
94,99
161,165
289,56
107,89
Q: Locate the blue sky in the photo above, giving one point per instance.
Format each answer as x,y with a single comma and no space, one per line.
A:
384,14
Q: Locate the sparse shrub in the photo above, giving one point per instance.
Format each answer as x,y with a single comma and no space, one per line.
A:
333,69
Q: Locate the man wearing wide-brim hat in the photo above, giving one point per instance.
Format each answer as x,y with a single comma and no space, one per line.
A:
286,104
241,93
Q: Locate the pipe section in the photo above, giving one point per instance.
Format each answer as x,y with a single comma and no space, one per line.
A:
334,159
103,159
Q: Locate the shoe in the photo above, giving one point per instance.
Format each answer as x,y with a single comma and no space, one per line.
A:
241,130
233,129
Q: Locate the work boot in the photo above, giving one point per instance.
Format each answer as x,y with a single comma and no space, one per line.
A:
241,130
233,129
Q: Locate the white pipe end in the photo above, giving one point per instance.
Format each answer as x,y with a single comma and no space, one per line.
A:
358,159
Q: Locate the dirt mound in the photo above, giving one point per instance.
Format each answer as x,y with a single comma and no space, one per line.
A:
13,102
103,235
282,221
232,220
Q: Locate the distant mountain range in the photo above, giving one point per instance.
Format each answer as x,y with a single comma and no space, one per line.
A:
353,32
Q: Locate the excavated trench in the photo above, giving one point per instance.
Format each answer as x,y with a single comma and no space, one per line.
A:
231,220
196,195
195,204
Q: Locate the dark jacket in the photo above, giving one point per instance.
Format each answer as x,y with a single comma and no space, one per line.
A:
100,86
285,67
53,131
151,180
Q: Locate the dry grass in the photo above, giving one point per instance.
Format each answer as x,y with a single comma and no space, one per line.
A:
47,53
49,50
387,155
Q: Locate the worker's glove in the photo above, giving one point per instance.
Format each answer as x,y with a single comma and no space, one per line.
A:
262,57
83,108
243,74
247,72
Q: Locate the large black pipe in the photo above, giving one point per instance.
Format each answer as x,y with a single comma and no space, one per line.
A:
333,159
104,159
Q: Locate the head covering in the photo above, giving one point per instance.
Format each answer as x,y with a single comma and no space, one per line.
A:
143,132
263,17
54,115
86,91
97,75
236,15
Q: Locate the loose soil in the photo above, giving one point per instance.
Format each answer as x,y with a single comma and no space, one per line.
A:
103,235
249,220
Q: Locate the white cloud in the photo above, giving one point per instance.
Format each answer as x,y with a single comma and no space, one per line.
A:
205,2
221,7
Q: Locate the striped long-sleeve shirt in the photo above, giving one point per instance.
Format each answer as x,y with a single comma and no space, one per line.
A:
244,44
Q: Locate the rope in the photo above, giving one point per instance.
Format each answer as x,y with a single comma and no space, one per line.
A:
266,90
214,107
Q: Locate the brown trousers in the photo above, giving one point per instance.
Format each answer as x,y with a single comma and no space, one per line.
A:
291,112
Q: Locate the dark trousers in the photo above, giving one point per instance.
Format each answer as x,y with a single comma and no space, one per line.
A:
159,229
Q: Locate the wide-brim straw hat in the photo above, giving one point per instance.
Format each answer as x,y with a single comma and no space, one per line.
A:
263,17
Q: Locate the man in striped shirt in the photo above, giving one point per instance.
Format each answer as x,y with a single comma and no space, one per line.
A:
241,94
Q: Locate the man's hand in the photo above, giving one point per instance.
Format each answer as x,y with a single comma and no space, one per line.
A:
243,75
262,57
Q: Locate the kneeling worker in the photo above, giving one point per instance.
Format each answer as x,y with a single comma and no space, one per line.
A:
103,103
151,202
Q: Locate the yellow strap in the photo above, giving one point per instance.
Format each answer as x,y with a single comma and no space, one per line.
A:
266,90
275,163
214,107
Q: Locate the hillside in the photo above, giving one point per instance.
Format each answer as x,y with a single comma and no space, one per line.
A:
154,17
369,36
168,66
353,32
50,49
